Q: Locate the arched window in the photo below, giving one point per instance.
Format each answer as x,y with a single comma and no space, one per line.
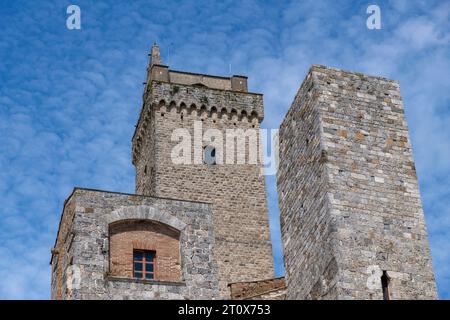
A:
144,249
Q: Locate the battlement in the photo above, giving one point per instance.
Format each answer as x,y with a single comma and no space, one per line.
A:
243,103
226,102
195,100
199,89
194,94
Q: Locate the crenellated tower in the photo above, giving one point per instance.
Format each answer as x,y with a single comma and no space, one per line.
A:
192,103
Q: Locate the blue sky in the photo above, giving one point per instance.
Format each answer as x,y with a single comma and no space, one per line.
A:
69,99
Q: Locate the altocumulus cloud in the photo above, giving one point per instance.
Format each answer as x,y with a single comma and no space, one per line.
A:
69,99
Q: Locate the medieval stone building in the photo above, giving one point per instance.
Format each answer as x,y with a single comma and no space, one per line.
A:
197,227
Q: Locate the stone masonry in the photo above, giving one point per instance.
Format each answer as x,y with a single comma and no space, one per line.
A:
147,235
349,201
81,261
174,100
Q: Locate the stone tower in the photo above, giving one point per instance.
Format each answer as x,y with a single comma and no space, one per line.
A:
195,104
351,215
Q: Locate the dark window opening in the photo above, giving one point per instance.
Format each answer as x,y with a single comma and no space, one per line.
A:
385,285
209,155
144,264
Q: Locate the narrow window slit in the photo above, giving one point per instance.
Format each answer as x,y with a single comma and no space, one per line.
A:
385,285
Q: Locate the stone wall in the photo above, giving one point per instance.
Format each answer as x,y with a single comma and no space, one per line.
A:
62,253
237,191
83,270
305,221
349,200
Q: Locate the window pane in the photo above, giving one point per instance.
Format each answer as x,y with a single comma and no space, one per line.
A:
149,256
138,255
138,275
149,267
138,266
149,276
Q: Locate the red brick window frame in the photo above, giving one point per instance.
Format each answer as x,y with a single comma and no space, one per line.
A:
144,264
125,236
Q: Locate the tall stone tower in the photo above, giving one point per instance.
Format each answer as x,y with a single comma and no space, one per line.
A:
195,104
351,216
